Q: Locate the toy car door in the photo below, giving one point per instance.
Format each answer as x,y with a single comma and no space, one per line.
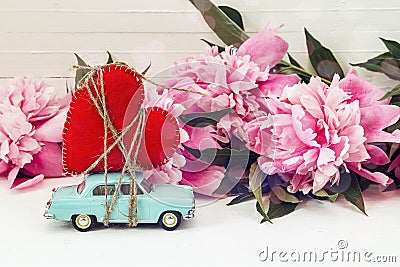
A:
99,202
143,206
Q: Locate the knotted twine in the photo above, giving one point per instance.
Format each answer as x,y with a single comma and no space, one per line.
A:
130,162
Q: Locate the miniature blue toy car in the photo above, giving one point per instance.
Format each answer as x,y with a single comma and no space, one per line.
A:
84,204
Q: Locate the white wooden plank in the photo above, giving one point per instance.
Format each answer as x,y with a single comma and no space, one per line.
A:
112,22
34,42
59,64
184,5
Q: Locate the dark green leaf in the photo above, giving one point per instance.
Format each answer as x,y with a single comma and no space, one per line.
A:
395,100
294,62
67,87
110,59
323,195
234,15
241,198
363,183
226,29
223,156
394,127
353,194
383,63
146,69
277,210
322,59
343,185
283,195
293,69
256,178
393,47
393,92
261,210
80,73
203,119
220,48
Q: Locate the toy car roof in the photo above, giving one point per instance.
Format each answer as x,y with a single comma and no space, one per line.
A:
112,177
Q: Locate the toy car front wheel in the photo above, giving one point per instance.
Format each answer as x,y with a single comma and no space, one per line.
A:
170,220
82,222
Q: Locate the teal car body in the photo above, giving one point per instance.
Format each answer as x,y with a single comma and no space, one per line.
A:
85,204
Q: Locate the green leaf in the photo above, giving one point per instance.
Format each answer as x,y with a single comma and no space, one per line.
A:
277,210
220,48
392,46
393,92
393,127
203,119
241,198
383,63
226,29
353,194
294,61
393,149
344,183
324,195
223,156
110,58
256,178
261,210
80,73
234,15
146,69
322,59
284,195
395,100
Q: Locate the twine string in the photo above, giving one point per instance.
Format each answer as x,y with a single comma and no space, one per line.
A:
150,81
130,162
102,110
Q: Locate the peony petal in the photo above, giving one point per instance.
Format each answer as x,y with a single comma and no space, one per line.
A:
384,137
200,138
51,130
395,163
264,48
378,156
276,83
21,183
326,155
12,175
204,182
377,118
320,180
362,90
300,182
47,162
376,177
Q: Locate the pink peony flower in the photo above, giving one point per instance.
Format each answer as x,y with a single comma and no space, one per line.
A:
318,129
235,78
31,122
238,79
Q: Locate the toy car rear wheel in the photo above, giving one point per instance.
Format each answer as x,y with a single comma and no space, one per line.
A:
170,220
82,222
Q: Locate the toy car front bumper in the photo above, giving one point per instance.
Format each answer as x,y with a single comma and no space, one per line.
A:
48,215
190,214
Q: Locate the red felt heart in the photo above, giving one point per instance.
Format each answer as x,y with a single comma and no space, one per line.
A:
160,140
83,135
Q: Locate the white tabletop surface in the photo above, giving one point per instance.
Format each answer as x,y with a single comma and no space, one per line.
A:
218,236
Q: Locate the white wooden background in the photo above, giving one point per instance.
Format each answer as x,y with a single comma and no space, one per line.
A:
38,38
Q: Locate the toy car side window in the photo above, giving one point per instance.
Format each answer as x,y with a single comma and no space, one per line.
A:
125,189
101,190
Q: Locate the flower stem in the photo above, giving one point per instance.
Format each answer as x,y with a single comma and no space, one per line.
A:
301,70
